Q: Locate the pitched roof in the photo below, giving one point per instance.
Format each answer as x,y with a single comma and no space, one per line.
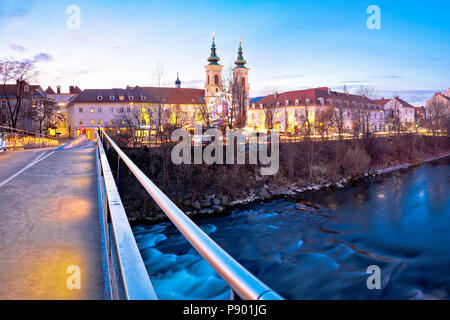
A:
315,96
175,95
142,95
404,103
76,90
382,102
49,90
11,90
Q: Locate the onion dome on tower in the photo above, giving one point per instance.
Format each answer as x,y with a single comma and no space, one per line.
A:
213,59
177,82
240,62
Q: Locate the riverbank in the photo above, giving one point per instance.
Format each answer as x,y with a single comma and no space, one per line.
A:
212,190
220,205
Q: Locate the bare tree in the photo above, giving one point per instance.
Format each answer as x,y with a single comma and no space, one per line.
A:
204,114
366,91
160,96
132,119
324,122
20,71
439,114
338,119
45,112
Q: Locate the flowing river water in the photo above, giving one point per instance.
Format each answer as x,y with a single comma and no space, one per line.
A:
320,244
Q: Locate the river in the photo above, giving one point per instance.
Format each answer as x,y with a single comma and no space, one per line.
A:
320,244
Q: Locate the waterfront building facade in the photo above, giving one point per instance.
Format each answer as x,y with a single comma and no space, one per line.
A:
317,111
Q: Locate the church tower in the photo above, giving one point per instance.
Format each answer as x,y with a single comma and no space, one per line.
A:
178,82
213,84
241,86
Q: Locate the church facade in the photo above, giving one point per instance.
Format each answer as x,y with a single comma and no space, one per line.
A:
151,108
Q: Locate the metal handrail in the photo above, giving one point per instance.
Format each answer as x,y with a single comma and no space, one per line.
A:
135,280
242,282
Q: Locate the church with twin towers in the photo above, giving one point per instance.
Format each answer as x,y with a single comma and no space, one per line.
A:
105,107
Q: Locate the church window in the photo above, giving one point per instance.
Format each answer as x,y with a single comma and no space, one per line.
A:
216,80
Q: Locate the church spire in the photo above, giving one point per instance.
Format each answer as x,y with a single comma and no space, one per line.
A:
213,59
177,82
240,62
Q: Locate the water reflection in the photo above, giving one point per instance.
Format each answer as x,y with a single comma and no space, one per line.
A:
319,245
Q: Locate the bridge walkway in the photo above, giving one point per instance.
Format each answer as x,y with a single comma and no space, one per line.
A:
49,225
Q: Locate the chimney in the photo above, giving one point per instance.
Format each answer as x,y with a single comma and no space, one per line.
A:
58,89
71,89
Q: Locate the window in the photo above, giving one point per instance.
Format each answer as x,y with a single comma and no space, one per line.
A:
121,98
99,109
128,109
81,122
131,98
121,109
80,109
99,122
216,80
92,109
243,81
92,122
208,80
111,109
111,122
99,98
111,98
3,104
143,98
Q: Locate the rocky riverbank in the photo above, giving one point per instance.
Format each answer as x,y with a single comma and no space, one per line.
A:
221,204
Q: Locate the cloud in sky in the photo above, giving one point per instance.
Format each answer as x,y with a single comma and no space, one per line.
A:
17,47
42,57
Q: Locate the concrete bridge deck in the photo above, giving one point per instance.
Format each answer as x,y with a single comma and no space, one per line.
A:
49,221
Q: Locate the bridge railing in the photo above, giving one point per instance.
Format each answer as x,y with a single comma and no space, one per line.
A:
16,139
128,277
243,284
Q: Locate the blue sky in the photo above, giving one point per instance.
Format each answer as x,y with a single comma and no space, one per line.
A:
288,44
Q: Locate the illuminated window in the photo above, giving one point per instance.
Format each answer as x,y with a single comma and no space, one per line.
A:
80,109
99,122
81,122
92,109
111,98
110,122
121,98
92,122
